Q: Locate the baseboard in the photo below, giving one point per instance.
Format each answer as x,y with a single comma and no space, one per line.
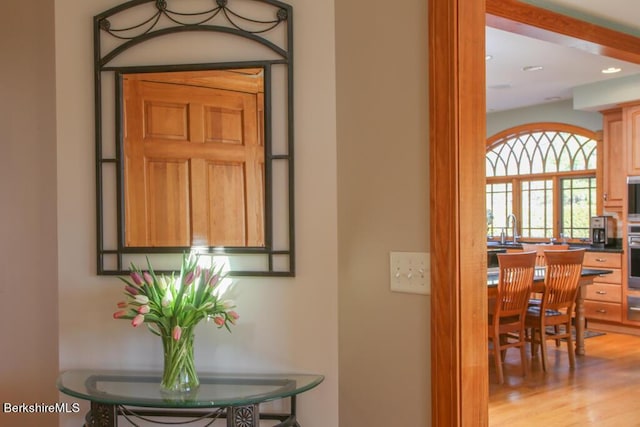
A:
606,327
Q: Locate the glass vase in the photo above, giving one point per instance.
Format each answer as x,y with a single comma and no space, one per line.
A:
179,375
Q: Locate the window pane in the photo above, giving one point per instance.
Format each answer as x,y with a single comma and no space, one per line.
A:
537,208
578,206
499,202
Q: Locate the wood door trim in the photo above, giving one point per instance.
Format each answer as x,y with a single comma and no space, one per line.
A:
458,241
543,24
457,127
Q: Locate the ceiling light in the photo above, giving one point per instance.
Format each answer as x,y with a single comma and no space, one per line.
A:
611,70
532,68
500,86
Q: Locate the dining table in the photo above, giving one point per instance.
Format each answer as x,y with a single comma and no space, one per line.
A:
586,278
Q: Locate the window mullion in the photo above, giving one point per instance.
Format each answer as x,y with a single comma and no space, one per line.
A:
557,206
517,203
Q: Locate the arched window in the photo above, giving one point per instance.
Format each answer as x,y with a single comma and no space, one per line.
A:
545,175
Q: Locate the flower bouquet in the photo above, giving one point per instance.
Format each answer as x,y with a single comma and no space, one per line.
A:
171,307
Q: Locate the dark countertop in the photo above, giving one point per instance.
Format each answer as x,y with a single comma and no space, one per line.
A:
498,245
492,274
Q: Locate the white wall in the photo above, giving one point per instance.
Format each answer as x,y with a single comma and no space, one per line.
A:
561,111
383,176
286,324
606,94
28,263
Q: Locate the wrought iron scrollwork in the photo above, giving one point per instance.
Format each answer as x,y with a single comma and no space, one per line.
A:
234,19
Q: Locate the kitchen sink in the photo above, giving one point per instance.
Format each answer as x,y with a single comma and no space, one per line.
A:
508,243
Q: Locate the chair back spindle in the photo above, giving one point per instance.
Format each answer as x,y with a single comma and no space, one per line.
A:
540,249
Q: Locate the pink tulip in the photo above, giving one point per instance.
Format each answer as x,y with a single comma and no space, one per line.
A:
213,281
143,309
189,278
137,320
177,332
233,316
131,290
148,278
119,314
218,320
123,304
136,278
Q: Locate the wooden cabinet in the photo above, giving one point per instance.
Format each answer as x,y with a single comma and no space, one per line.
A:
613,176
603,300
631,120
608,260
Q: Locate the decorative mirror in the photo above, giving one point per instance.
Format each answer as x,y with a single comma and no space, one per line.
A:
194,134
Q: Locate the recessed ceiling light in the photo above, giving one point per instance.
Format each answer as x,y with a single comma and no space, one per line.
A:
611,70
488,57
532,68
500,86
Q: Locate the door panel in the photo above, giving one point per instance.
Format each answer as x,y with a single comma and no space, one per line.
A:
207,141
167,202
165,120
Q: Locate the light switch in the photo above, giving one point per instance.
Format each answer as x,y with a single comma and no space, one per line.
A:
410,272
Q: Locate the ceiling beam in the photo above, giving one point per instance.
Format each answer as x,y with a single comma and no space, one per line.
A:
542,24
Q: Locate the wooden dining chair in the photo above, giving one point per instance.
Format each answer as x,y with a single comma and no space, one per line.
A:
561,282
540,249
508,310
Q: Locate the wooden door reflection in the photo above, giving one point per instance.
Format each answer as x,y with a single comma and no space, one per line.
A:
194,159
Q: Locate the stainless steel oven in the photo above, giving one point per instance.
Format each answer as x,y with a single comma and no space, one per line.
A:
633,198
633,259
633,308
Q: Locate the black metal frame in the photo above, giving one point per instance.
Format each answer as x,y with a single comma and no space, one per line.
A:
163,22
106,415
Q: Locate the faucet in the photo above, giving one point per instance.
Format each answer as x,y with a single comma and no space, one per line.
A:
514,223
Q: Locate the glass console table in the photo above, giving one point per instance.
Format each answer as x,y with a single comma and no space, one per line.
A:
137,394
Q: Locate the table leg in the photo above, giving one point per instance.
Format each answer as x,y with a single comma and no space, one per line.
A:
102,415
243,416
580,321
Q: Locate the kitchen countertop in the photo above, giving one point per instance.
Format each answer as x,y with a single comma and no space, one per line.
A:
498,245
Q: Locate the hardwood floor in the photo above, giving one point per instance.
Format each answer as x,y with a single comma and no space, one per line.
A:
602,391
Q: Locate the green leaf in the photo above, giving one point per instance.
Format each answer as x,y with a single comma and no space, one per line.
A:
166,311
154,329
